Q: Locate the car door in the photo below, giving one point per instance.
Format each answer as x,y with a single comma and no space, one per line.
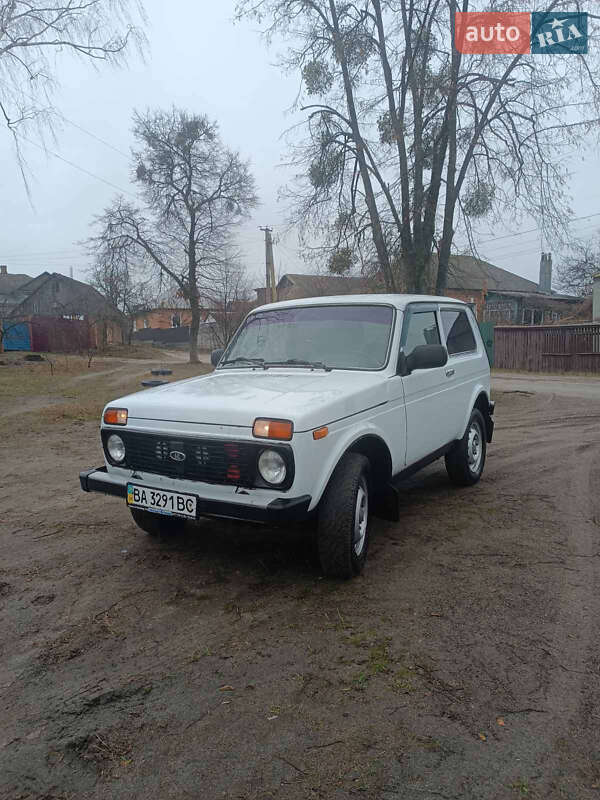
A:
464,365
428,426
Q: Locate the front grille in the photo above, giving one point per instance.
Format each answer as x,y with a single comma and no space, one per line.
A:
198,459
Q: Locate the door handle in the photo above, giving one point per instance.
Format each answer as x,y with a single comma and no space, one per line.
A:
449,373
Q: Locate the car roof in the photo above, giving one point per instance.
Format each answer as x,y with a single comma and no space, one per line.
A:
399,301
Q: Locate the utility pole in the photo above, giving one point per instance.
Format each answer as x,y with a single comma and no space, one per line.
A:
271,293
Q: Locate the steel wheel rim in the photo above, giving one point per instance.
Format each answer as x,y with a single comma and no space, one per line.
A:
475,447
361,518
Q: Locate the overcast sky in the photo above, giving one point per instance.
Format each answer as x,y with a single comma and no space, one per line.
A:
197,59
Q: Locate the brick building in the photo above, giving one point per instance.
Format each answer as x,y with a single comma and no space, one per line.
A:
500,296
162,317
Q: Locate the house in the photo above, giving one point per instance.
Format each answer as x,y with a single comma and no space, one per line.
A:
162,317
497,295
500,296
168,325
48,302
9,289
293,286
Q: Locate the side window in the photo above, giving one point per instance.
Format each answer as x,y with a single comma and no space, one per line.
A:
459,334
422,329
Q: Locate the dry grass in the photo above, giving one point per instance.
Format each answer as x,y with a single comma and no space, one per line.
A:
33,397
140,350
19,378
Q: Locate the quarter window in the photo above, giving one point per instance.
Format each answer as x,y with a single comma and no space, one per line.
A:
458,331
422,329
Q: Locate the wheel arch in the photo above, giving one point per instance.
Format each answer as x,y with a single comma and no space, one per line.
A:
369,443
378,453
482,403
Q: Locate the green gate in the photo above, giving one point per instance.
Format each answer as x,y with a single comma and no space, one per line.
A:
487,334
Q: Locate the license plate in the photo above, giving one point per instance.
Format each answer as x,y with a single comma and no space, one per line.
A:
173,504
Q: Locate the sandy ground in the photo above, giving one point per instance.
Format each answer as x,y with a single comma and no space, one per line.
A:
561,386
464,663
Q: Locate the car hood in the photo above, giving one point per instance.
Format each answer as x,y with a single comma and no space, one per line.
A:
238,396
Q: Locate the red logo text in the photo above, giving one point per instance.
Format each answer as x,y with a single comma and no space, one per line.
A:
487,32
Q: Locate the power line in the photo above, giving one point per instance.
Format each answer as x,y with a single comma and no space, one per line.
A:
66,250
97,138
534,230
70,122
76,166
531,247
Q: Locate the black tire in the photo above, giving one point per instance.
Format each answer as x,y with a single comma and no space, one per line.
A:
465,462
343,547
157,524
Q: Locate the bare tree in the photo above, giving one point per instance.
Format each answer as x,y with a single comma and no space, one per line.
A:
34,32
228,300
407,139
122,281
195,191
577,270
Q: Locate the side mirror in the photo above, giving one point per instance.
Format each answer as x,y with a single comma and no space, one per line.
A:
215,356
426,356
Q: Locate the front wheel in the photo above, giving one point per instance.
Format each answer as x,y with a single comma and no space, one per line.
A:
466,460
157,524
343,528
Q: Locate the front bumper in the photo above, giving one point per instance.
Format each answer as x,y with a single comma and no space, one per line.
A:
283,509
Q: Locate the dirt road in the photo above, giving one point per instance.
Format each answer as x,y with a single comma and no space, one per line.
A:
463,664
557,385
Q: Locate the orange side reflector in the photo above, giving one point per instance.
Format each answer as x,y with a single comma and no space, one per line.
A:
321,433
115,416
273,429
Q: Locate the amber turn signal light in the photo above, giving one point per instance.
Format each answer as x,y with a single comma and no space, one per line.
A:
115,416
273,429
321,433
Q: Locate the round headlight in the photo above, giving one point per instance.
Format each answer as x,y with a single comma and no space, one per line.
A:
115,447
271,467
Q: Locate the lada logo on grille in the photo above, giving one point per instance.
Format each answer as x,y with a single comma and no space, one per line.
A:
177,455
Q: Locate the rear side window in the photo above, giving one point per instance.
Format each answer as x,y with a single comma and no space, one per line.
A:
458,331
422,329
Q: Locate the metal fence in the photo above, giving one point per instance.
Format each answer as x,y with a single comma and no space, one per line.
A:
179,335
548,348
46,334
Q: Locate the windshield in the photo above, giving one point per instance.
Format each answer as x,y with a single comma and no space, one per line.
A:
343,337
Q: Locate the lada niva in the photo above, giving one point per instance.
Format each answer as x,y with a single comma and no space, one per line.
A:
315,410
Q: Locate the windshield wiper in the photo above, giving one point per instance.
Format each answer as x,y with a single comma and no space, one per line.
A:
298,362
260,362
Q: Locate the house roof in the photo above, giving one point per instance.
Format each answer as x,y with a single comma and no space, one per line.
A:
541,298
468,272
86,299
333,284
11,282
464,273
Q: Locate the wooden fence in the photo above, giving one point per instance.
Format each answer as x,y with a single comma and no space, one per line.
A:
548,348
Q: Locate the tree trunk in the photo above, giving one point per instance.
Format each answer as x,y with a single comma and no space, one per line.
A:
194,328
451,189
376,227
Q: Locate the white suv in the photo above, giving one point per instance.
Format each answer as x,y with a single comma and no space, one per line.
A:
315,409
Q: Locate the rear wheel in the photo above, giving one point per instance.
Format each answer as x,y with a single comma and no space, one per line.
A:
465,462
157,524
343,527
